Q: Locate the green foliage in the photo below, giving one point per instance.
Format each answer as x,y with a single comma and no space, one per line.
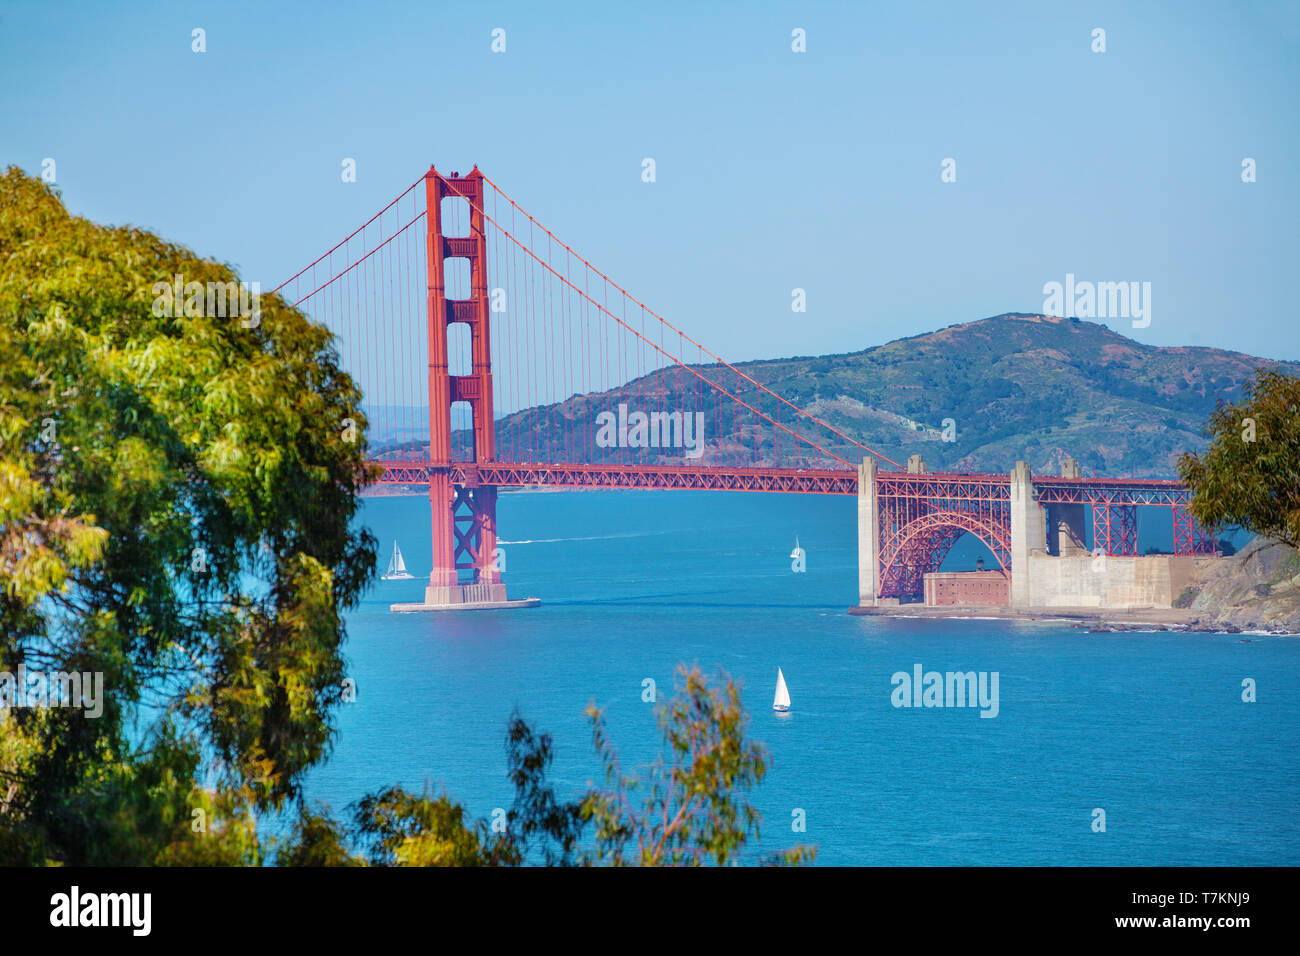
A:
538,822
129,440
408,830
691,804
1250,473
315,840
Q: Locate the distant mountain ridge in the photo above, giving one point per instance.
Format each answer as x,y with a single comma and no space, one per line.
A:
1015,386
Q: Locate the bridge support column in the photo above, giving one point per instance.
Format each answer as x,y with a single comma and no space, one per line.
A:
464,514
868,534
1028,533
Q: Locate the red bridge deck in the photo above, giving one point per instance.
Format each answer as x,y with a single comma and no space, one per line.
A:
678,477
814,481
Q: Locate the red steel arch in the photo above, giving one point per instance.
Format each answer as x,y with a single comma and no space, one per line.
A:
918,548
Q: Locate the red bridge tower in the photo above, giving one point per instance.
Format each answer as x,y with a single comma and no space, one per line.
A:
464,512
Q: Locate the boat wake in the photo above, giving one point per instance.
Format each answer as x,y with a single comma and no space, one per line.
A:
594,537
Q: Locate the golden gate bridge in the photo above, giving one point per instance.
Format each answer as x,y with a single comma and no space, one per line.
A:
495,347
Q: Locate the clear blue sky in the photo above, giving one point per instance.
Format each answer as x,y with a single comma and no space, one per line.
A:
775,170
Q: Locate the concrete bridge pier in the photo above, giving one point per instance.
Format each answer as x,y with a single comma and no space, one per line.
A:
868,534
1028,533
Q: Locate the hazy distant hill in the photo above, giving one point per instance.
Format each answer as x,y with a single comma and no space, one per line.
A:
1016,386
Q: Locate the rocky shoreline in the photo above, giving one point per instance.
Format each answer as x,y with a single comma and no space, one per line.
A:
1093,620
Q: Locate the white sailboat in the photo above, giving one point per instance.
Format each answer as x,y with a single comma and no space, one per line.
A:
397,567
796,552
781,703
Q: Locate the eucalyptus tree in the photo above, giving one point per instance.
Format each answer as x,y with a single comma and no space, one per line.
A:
178,479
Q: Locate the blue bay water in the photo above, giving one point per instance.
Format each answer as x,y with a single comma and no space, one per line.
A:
1149,727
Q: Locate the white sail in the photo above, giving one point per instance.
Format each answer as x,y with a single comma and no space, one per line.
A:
782,699
396,566
795,552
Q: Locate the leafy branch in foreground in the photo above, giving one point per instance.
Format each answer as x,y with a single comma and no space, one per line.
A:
1250,474
693,811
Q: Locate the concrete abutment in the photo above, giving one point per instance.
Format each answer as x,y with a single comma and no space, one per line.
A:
1050,566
